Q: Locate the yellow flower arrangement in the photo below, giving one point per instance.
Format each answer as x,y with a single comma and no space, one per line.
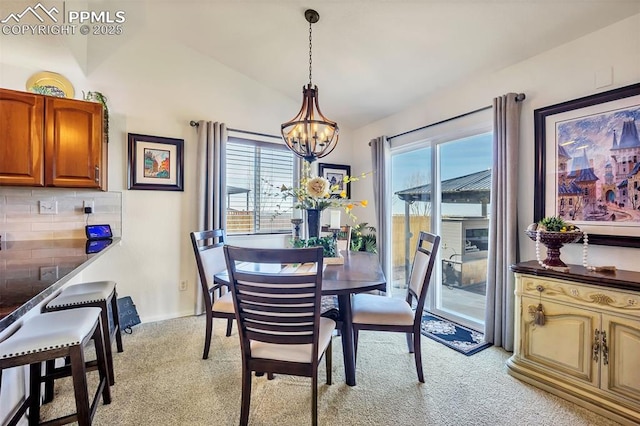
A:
314,192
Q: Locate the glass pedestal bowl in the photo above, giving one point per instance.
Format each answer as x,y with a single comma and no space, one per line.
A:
553,241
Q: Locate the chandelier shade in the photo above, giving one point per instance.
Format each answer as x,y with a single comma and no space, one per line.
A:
310,135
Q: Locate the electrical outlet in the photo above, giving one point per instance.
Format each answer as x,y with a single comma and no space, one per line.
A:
48,273
48,207
87,204
183,285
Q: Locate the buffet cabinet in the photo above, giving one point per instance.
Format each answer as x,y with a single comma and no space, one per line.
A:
577,335
50,141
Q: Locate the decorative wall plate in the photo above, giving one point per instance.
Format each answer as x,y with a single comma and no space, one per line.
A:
50,83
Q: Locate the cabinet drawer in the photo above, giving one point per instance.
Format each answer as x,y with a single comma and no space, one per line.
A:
592,297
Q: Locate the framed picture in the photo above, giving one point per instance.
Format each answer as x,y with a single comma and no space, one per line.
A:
335,174
156,163
587,165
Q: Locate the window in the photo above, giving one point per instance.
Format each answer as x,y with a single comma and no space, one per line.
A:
255,171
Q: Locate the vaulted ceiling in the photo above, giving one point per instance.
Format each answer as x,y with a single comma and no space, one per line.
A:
370,58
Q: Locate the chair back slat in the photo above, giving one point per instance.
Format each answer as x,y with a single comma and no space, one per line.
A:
279,339
302,322
273,284
278,309
282,307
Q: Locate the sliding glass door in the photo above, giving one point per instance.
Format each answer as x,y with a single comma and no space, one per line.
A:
464,190
444,186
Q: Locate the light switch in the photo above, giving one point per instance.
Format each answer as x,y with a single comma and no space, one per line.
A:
48,207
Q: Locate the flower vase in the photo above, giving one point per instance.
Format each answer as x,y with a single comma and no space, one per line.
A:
313,223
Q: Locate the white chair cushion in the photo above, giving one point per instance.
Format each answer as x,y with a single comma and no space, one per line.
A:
372,309
224,303
79,294
212,262
50,330
418,271
295,353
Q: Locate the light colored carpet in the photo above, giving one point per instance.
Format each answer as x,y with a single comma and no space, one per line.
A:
161,379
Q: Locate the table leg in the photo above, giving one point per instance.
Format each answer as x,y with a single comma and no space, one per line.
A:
344,304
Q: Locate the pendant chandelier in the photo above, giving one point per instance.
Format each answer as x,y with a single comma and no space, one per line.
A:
310,134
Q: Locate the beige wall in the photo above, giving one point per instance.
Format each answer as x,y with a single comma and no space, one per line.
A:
564,73
155,86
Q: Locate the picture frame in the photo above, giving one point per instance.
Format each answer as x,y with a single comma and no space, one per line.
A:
155,163
335,174
587,165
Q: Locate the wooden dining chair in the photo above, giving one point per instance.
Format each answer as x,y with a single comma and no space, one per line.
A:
218,302
278,315
382,313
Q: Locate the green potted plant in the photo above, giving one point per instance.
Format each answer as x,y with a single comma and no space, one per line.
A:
327,243
363,238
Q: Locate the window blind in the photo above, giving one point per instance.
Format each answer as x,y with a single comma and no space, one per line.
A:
255,172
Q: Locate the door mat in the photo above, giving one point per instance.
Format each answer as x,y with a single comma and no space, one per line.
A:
455,336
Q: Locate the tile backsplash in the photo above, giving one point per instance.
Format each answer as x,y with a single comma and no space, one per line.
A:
54,213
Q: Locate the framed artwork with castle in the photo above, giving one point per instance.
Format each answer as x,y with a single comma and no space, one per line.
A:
587,165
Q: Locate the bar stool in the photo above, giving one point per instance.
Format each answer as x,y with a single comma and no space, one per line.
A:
101,294
54,335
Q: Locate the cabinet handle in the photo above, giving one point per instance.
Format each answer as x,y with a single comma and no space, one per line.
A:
97,174
596,345
605,348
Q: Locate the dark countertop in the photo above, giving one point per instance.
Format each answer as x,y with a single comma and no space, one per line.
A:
620,279
30,271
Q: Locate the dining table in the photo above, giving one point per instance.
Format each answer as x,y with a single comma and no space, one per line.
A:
361,272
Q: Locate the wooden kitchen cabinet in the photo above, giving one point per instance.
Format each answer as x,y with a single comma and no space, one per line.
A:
53,142
587,349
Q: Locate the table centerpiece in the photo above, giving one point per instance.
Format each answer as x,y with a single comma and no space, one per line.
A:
313,194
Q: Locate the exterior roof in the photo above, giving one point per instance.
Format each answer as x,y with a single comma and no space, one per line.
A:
472,188
236,190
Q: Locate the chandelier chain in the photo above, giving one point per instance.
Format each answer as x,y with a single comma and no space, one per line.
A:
310,60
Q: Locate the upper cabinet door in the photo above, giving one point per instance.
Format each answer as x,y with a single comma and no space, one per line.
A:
21,138
74,144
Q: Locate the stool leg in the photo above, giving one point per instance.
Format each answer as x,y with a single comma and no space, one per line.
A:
106,333
48,382
115,312
79,374
100,342
35,375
